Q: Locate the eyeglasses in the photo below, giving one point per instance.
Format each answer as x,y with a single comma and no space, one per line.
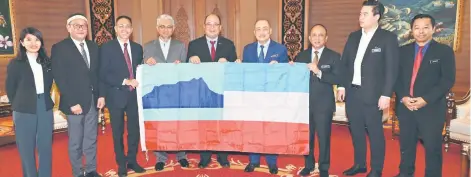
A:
165,27
78,27
212,24
124,26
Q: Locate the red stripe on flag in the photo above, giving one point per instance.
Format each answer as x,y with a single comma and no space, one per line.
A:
243,136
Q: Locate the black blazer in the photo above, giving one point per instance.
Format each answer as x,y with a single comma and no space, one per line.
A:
199,47
435,78
114,69
21,88
76,82
379,67
321,92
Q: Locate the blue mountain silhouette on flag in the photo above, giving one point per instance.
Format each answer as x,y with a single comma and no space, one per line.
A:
184,94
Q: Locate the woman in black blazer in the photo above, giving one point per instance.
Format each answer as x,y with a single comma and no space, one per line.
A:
28,85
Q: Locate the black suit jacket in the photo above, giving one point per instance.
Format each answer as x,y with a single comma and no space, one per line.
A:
21,88
435,78
114,69
76,82
321,92
379,67
199,47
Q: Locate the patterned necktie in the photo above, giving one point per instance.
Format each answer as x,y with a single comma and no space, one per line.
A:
415,70
213,50
260,55
84,54
316,57
128,62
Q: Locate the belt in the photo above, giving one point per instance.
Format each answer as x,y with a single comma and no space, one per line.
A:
356,86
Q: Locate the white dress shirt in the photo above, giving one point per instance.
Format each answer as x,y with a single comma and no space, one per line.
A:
364,41
77,44
165,46
121,44
313,55
265,48
37,73
209,44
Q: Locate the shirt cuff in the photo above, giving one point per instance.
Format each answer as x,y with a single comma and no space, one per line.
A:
385,97
319,75
341,88
124,82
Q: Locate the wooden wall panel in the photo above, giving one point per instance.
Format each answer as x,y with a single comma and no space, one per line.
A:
49,16
175,5
341,18
265,9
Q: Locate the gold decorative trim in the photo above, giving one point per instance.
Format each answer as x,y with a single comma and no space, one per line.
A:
459,20
16,44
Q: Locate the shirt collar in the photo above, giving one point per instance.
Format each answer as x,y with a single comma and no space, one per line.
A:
122,43
264,45
320,50
369,33
209,40
161,41
78,42
31,57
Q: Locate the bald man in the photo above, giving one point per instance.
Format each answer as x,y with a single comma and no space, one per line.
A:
325,72
264,50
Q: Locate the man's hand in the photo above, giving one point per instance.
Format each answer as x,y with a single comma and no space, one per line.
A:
131,82
407,101
341,95
273,62
418,103
195,60
291,62
383,103
151,61
313,67
77,109
177,61
100,103
238,61
222,60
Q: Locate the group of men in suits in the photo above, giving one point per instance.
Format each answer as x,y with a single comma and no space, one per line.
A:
370,69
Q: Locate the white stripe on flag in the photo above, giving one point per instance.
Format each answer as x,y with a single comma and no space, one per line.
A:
140,110
289,107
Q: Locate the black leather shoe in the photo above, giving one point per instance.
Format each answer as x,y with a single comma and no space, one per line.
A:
92,174
403,175
306,171
323,173
273,169
202,164
122,171
251,167
355,170
136,168
183,163
159,166
373,173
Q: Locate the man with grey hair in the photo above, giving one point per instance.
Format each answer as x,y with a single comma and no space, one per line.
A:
165,50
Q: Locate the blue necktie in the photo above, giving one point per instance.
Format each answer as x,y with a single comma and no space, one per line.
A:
260,55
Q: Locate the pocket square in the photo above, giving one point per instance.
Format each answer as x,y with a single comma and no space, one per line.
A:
376,50
274,55
434,61
325,66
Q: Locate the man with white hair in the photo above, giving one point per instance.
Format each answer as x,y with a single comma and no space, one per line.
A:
75,68
165,50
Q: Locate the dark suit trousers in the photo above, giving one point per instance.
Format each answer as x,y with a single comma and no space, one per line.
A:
320,123
205,157
361,115
430,130
117,125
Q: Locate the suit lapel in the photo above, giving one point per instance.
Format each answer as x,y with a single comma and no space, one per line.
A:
93,52
135,55
269,51
355,45
204,43
254,52
77,51
219,47
170,49
409,65
372,43
426,58
323,58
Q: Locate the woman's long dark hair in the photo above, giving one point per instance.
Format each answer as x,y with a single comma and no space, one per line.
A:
42,59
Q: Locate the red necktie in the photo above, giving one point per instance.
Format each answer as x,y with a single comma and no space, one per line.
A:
417,62
128,62
213,50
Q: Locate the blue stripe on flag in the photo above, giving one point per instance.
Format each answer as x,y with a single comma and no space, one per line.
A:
183,114
254,77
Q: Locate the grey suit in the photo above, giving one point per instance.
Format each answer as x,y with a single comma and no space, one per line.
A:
177,51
